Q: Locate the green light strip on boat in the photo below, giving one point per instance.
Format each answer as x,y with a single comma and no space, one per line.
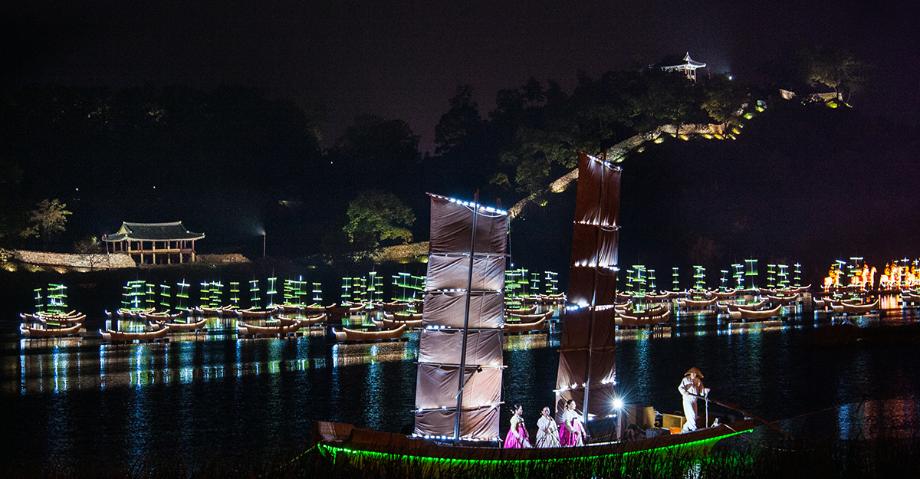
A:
333,451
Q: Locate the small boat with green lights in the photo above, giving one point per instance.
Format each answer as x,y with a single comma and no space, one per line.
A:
391,322
71,317
50,331
347,335
111,335
255,313
177,325
851,307
748,314
649,318
159,316
280,329
534,325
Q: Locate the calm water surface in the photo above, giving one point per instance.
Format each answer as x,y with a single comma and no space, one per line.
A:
198,400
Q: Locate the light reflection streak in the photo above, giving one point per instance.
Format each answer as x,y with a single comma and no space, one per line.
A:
50,366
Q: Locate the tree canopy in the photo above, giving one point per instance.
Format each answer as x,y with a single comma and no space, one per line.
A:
376,217
48,219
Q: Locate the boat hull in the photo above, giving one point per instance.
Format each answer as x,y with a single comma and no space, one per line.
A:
368,453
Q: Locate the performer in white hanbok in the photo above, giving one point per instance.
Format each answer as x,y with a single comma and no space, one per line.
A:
547,430
690,388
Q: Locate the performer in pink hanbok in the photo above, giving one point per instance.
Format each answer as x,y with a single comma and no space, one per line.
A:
517,437
572,431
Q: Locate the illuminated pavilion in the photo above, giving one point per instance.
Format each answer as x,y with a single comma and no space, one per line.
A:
688,67
154,243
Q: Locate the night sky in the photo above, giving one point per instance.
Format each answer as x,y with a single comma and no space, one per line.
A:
405,59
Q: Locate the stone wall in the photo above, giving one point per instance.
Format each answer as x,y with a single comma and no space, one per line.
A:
400,253
229,258
74,261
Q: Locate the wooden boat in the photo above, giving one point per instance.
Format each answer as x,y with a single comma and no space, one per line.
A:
255,313
754,314
191,325
110,335
160,316
352,335
802,289
318,308
725,294
758,305
218,311
280,330
305,321
525,327
355,307
31,332
44,318
72,314
650,312
910,297
403,316
628,320
129,313
858,308
519,311
511,318
782,300
657,297
696,303
347,450
394,306
292,308
389,323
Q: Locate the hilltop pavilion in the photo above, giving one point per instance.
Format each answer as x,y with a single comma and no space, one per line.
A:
154,243
688,67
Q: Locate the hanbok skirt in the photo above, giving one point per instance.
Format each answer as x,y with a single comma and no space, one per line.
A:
512,441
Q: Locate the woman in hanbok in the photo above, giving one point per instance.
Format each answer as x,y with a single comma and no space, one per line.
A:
690,388
547,431
572,431
517,437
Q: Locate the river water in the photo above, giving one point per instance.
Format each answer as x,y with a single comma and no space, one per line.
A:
84,405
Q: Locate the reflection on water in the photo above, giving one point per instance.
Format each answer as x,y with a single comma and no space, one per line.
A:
58,365
215,396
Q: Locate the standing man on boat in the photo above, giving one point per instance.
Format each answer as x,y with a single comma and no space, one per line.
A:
690,388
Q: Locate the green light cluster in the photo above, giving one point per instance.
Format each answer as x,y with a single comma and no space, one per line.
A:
664,459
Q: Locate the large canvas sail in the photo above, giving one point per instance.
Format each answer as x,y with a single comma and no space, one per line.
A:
586,354
463,318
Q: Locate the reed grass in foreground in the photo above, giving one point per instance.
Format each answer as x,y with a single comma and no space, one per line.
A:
882,458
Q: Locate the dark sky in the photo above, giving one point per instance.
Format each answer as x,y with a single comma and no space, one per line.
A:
405,59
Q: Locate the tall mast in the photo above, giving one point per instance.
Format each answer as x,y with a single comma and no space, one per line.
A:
466,320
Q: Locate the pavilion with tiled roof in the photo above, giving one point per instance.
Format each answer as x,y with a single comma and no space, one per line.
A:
688,67
154,243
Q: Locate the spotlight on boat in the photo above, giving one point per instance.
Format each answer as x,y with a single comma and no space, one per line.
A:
618,404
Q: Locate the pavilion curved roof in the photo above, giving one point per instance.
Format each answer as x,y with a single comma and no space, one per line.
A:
152,232
689,64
